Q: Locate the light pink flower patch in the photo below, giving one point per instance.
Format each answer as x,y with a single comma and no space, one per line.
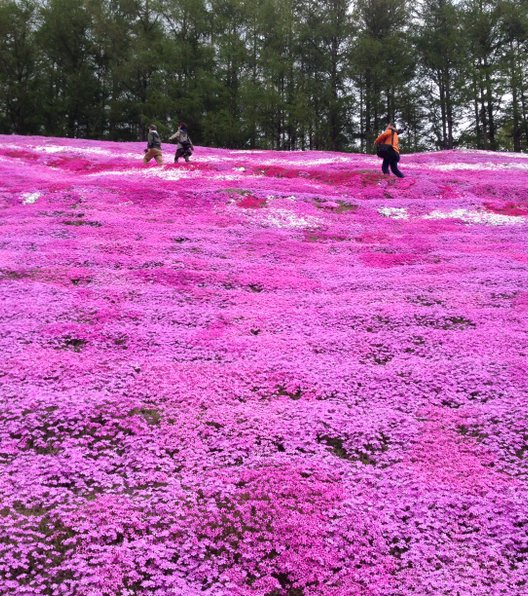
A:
280,374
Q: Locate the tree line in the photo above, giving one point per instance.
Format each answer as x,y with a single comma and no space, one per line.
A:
283,74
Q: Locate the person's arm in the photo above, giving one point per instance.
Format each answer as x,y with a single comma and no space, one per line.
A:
174,136
149,140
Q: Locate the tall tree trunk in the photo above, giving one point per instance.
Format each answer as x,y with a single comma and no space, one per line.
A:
449,114
489,106
478,132
524,113
443,113
361,117
516,129
334,116
368,112
483,114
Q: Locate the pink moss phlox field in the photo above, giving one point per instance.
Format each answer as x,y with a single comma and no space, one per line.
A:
265,373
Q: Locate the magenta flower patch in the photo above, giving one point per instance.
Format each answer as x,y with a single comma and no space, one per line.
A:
281,374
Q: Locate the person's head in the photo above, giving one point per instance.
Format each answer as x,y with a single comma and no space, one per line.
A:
153,127
183,126
390,125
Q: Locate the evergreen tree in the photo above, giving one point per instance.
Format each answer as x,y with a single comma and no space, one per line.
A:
482,32
383,62
513,66
19,57
325,38
189,63
69,85
283,74
441,46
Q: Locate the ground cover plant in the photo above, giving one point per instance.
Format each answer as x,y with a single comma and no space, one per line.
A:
262,373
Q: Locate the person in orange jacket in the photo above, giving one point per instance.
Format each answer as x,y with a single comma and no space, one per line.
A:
388,148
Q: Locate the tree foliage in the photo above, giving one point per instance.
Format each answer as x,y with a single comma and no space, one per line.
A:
286,74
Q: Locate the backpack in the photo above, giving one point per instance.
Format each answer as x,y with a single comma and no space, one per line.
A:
383,150
184,141
156,139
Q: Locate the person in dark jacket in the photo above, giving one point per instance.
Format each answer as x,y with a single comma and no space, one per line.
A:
388,147
153,149
185,147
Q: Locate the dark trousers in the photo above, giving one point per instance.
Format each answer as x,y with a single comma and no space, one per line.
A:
392,160
185,153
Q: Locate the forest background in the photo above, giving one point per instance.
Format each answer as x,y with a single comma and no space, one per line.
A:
281,74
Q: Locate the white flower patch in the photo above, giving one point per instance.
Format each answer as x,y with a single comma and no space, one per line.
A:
172,173
88,151
208,158
250,151
488,166
229,177
284,218
300,162
66,149
494,153
477,217
394,212
108,173
51,149
28,198
148,172
126,154
292,198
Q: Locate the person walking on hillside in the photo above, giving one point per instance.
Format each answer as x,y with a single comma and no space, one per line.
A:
153,149
185,147
387,147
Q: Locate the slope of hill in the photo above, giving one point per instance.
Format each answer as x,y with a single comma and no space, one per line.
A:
262,373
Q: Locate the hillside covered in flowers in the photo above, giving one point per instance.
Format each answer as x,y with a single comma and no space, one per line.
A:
262,373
